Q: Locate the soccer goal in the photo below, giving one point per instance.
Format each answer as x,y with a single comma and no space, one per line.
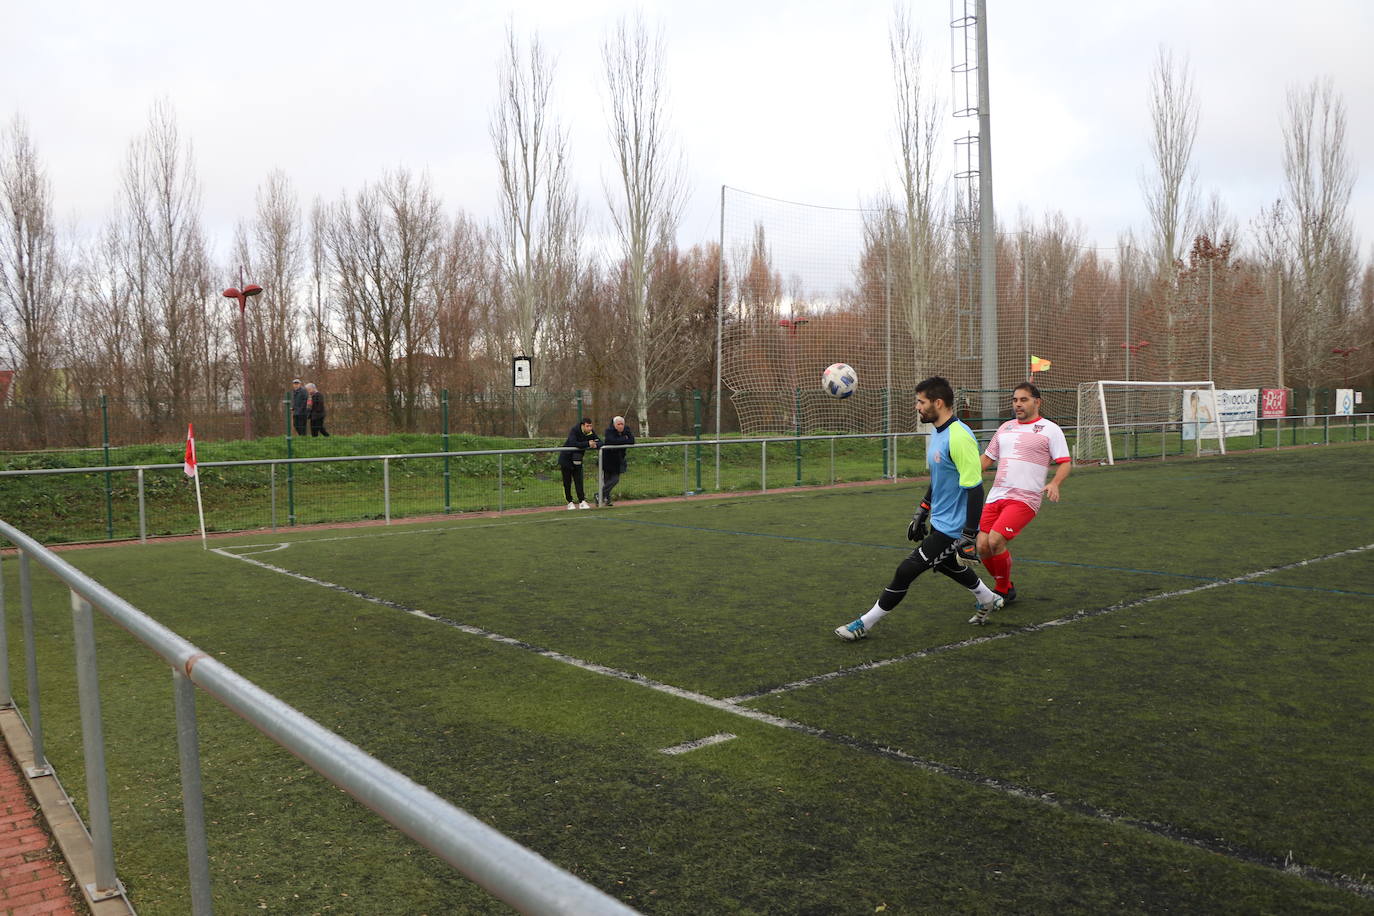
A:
1116,415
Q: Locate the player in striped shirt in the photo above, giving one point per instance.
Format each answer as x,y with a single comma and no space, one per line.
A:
1023,449
946,524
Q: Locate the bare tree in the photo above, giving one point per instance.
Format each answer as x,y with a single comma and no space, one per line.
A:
464,286
1319,179
385,251
1169,188
646,204
168,262
272,253
30,272
540,219
922,208
318,335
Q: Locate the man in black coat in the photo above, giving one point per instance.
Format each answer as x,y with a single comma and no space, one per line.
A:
299,406
581,437
614,460
314,408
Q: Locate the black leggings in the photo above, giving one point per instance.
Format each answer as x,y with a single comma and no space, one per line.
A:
935,552
573,475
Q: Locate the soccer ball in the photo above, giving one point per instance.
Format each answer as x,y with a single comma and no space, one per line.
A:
839,380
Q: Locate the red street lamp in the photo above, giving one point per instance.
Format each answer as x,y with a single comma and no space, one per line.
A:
1345,352
233,292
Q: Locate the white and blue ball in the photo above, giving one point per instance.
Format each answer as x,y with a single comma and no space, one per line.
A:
839,380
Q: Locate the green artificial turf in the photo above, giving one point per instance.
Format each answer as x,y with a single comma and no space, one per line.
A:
1187,728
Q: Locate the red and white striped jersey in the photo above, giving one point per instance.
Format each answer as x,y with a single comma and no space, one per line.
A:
1024,453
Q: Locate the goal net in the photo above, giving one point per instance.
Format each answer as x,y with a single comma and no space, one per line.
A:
1118,419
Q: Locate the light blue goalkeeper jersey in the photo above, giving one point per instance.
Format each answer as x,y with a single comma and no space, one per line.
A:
955,466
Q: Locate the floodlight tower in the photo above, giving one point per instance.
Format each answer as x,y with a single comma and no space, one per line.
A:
969,23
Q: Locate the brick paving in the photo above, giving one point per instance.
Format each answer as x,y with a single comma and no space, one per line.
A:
33,877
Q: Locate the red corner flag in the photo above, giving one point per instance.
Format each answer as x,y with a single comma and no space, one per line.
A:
190,464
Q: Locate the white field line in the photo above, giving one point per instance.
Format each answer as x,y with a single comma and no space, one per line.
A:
1212,844
1067,619
698,743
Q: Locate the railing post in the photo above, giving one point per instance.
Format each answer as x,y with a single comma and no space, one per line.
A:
6,695
832,461
192,794
272,474
386,489
93,746
696,424
501,482
109,482
290,472
686,471
40,760
763,459
142,511
448,503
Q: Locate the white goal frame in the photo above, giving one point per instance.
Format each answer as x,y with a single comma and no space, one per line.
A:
1093,395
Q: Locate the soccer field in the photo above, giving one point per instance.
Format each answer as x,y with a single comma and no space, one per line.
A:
1175,716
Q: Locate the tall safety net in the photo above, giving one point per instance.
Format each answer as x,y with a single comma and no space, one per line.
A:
806,286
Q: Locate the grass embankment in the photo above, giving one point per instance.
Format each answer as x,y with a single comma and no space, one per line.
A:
57,508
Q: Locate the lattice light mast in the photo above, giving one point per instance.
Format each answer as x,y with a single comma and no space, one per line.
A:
968,21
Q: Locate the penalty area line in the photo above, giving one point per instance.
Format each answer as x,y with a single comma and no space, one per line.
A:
1211,844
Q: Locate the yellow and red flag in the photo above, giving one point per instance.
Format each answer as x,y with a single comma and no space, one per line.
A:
1038,364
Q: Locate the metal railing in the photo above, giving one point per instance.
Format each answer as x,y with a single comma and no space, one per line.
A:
507,870
276,492
284,488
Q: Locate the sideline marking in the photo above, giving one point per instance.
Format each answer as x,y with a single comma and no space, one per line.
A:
1067,619
700,742
1212,580
1218,845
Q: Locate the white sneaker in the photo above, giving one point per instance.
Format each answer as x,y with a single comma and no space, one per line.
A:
984,610
852,632
572,505
582,505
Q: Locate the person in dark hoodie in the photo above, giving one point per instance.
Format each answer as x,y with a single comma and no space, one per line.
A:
614,460
581,437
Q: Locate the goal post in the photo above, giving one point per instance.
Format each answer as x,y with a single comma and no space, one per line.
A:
1133,409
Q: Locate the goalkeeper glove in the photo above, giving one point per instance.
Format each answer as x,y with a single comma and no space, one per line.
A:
919,527
967,546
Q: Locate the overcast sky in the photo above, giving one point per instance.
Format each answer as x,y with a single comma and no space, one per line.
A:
791,100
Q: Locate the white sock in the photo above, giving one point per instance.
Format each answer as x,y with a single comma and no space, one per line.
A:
873,616
982,593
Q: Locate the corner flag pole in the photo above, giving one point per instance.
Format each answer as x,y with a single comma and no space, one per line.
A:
192,471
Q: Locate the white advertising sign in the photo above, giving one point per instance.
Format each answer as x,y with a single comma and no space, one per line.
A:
1238,408
1345,402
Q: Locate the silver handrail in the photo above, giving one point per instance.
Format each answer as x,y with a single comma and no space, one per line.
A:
507,870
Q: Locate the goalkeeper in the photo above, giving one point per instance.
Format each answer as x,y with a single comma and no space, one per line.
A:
946,524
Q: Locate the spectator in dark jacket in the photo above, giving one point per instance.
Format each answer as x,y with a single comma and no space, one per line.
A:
299,409
581,437
314,406
614,460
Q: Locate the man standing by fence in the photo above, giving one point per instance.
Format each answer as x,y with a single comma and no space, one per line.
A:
300,409
614,460
315,409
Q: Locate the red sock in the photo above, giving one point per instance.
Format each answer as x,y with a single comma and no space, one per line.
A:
999,564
